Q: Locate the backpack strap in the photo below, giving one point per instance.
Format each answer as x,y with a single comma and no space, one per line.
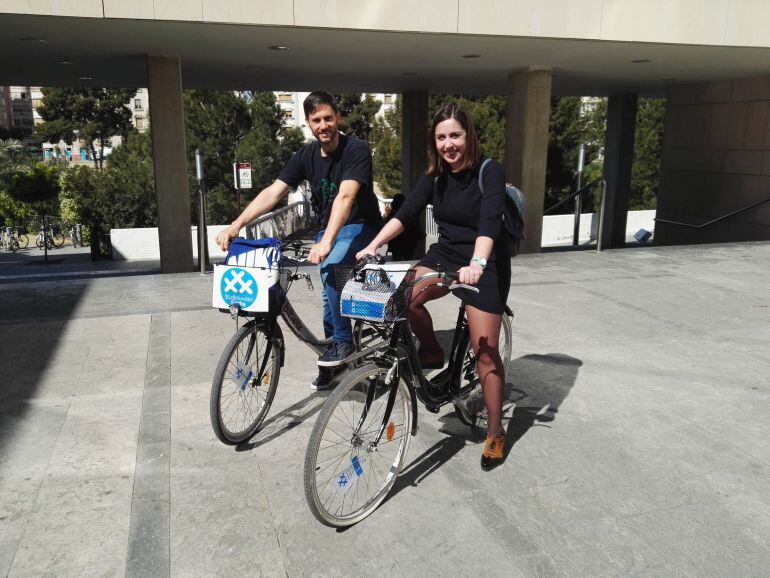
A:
481,172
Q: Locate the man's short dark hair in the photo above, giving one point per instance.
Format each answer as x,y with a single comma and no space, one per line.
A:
316,99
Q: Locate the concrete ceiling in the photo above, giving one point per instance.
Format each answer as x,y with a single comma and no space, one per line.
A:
227,56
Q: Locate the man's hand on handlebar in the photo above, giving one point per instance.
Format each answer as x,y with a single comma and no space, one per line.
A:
225,236
319,251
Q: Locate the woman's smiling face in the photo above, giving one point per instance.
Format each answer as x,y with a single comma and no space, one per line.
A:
450,143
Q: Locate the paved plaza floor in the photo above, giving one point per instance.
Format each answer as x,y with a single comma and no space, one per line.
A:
637,415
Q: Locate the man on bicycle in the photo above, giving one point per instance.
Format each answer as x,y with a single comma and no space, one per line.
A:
339,169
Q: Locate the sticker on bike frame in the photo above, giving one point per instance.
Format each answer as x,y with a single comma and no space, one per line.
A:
348,477
242,376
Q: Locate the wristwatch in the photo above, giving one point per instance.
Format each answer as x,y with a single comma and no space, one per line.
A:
481,261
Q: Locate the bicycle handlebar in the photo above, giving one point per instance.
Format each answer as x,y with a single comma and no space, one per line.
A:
448,276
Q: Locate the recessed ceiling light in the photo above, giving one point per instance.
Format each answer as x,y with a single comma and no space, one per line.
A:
278,47
65,62
86,78
33,40
471,56
641,61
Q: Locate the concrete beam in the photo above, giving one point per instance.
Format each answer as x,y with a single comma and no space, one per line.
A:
618,161
164,82
414,144
526,144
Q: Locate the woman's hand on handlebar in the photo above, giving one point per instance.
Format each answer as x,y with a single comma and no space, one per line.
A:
471,274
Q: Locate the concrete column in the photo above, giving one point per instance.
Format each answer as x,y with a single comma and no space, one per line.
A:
528,113
414,146
618,160
164,82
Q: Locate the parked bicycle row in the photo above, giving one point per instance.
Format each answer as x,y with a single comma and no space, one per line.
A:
49,235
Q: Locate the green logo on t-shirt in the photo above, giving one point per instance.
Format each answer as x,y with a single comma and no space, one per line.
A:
328,190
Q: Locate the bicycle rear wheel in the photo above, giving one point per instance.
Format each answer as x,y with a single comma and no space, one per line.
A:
346,475
473,399
23,241
57,239
244,383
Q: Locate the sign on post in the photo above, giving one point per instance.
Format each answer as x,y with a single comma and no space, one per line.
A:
242,174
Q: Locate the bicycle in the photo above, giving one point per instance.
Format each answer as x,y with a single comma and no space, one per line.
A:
361,436
21,236
75,236
246,377
57,237
9,241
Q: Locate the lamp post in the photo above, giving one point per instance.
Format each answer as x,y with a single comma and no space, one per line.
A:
203,248
578,200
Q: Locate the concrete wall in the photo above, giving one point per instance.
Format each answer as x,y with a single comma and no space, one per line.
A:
705,22
716,159
138,244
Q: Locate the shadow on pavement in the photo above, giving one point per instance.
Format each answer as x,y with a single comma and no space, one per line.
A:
537,386
285,420
33,320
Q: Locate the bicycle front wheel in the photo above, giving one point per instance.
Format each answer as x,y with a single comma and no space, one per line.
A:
244,383
348,470
39,242
474,409
23,241
57,239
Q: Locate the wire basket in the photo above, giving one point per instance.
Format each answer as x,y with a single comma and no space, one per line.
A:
377,293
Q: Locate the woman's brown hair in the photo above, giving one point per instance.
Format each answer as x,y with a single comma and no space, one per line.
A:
472,147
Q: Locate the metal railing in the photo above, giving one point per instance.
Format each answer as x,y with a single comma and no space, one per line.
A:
573,195
431,228
292,219
713,221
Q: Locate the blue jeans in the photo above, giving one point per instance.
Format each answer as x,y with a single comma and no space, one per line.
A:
350,240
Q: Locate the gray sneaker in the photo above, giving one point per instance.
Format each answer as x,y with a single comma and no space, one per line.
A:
324,380
336,354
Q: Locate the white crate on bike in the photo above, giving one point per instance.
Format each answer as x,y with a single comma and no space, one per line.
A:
376,293
250,273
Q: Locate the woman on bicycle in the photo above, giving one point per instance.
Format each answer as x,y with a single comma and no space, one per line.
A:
468,225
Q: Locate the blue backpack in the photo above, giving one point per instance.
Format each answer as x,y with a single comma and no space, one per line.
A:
513,217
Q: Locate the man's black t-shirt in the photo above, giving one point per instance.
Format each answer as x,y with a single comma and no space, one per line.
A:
349,161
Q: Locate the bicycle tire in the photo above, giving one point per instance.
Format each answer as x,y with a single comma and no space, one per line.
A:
23,241
13,245
75,242
474,399
39,242
374,471
57,239
238,402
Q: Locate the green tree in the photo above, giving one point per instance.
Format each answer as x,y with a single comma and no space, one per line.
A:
227,128
358,113
648,147
120,196
87,113
386,150
38,188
